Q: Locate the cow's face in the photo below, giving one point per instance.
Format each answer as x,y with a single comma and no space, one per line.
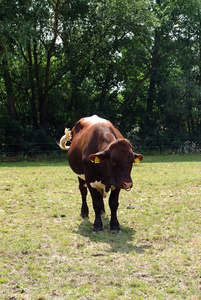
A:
118,160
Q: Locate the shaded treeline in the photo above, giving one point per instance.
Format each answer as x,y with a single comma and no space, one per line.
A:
137,63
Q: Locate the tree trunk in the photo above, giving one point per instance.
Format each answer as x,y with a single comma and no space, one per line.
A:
152,85
151,95
9,88
199,81
37,75
43,100
31,80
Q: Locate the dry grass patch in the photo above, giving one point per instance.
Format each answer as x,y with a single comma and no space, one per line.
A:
48,252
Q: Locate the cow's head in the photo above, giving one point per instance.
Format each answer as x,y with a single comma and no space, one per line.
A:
118,159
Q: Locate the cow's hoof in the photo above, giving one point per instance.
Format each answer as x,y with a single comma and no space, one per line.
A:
97,229
84,216
115,228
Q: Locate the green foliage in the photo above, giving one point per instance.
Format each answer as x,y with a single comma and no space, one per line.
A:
137,63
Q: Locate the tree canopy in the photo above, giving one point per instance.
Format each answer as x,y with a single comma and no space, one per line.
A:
135,62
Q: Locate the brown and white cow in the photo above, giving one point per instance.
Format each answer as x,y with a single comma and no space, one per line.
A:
102,160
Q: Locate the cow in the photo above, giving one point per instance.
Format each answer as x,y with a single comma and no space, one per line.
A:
102,159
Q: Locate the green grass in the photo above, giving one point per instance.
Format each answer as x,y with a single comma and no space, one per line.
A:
48,252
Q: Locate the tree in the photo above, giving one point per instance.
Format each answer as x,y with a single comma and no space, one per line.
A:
137,63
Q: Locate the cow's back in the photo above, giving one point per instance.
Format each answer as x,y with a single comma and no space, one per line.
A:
89,135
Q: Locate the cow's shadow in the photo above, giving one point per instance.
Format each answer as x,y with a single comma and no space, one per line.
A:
118,241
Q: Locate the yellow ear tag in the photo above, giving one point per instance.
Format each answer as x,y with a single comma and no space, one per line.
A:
97,160
136,161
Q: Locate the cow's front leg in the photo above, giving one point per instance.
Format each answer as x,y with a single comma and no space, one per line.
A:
83,191
98,206
114,203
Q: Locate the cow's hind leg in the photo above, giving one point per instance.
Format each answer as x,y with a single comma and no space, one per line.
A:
114,203
83,191
98,206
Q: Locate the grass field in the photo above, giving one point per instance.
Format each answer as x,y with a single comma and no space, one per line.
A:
48,252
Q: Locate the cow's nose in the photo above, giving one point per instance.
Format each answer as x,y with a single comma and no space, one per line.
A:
127,185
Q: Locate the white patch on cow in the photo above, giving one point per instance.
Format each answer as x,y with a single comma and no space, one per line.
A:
99,186
81,176
95,119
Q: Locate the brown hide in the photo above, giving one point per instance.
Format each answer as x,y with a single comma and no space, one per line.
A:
102,160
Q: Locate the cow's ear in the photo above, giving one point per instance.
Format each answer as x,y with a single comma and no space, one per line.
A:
98,157
94,159
137,158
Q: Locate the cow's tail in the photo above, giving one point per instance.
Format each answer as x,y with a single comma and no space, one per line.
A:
65,138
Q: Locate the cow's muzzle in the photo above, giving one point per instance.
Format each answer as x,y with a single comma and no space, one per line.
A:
127,185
